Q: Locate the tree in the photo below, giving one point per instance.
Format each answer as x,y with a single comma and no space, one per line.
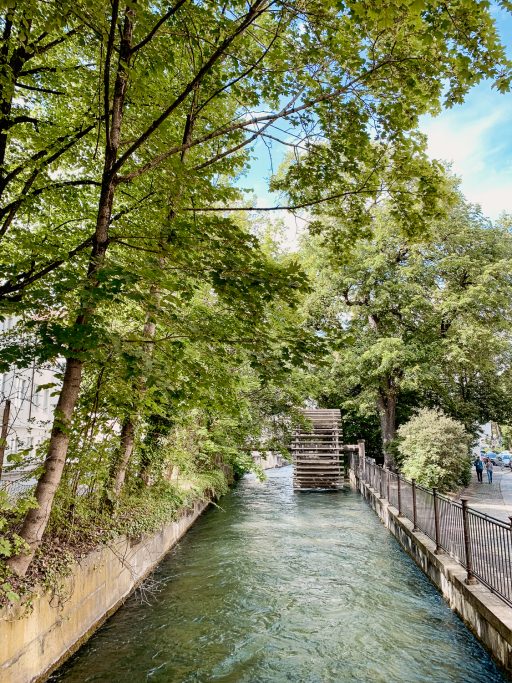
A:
435,450
157,69
419,322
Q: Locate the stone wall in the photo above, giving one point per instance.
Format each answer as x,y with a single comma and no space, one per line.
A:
34,643
488,617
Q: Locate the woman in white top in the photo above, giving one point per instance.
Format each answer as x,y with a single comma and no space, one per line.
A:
488,468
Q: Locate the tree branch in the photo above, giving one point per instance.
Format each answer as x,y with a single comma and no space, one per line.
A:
255,120
106,73
54,186
44,48
70,141
254,12
293,207
23,280
155,28
7,124
53,69
37,88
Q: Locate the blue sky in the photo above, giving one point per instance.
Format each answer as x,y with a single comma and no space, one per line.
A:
475,137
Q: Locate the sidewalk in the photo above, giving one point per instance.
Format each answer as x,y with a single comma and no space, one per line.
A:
493,499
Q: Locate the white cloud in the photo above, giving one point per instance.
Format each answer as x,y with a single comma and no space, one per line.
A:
474,138
294,228
458,141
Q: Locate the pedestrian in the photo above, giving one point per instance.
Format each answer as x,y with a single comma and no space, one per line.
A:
489,468
479,467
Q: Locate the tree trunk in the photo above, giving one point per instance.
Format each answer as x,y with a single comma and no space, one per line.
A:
122,458
3,435
5,97
36,520
9,73
386,404
145,468
148,333
125,452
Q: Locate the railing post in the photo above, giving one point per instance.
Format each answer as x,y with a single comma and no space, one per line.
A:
436,522
414,510
399,497
470,579
387,484
381,471
362,457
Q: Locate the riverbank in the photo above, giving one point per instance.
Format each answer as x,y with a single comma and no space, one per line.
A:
35,640
487,616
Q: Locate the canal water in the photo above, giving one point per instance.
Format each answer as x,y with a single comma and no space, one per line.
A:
274,586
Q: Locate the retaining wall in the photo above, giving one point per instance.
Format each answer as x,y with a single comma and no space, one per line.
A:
268,460
486,615
33,644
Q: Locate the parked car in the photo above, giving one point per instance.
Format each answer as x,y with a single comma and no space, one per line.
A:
506,458
502,459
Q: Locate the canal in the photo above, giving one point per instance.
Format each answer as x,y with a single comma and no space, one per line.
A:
275,586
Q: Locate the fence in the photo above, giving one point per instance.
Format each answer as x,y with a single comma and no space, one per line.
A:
481,544
19,487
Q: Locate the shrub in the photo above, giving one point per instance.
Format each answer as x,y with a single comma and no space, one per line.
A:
435,450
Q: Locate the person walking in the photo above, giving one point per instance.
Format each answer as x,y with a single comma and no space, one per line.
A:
479,467
489,468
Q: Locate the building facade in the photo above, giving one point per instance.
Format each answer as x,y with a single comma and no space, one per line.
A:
32,395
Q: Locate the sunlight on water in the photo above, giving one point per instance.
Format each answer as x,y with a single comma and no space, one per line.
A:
277,586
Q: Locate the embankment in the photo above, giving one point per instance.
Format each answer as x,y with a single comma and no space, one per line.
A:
34,642
484,613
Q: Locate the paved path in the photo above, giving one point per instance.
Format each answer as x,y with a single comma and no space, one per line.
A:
493,499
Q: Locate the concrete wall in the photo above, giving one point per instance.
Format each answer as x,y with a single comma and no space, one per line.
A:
34,644
484,613
269,460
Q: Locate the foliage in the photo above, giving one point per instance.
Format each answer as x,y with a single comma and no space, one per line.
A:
126,251
435,450
507,436
417,322
10,542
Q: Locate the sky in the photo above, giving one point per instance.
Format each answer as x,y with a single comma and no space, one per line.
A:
474,137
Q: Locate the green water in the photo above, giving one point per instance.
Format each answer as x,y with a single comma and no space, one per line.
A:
277,586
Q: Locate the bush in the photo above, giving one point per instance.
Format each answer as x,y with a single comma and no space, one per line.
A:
435,450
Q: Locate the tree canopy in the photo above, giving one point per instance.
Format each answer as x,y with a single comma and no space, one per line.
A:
124,130
418,321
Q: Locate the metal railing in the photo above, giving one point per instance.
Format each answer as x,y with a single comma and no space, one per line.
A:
18,487
480,543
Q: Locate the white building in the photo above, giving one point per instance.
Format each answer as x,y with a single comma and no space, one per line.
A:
31,392
489,437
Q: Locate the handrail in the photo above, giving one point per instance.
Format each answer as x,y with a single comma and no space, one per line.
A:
482,544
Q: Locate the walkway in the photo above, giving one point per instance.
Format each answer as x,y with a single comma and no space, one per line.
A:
493,499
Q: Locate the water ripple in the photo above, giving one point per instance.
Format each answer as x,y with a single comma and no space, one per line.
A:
278,587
